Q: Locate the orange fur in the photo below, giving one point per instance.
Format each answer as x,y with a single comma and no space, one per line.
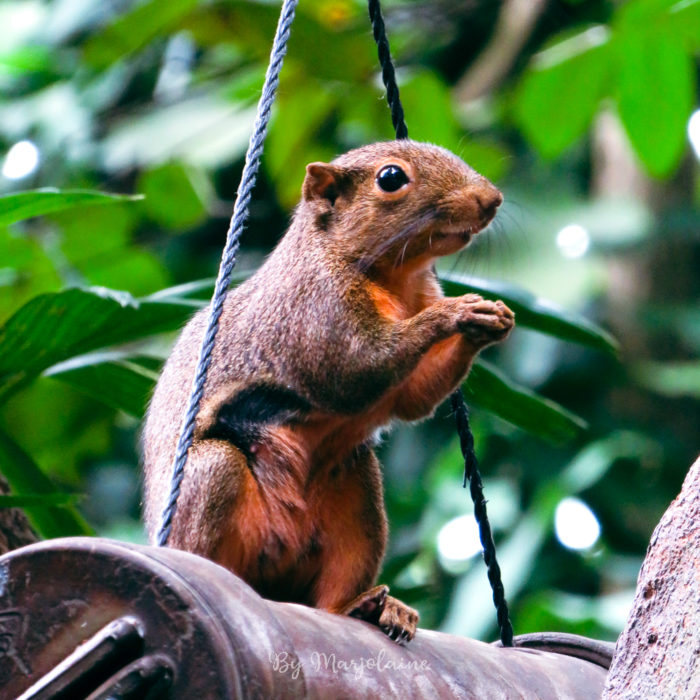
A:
265,515
387,304
337,506
438,368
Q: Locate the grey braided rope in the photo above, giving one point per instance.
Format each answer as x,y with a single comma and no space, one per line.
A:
228,260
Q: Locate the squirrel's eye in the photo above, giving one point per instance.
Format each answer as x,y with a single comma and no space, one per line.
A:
391,178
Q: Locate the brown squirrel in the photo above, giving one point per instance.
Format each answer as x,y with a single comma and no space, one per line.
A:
341,330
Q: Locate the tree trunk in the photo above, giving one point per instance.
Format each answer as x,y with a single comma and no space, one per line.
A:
15,530
658,653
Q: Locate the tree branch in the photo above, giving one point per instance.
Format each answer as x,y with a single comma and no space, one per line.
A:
515,23
659,650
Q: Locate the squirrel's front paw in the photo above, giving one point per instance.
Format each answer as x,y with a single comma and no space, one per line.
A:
485,321
396,619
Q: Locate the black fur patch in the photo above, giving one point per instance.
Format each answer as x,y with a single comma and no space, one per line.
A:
240,420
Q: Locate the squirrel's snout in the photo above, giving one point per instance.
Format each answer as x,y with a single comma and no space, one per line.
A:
489,199
472,207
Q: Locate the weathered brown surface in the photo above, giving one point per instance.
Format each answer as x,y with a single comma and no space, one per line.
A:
15,530
222,640
658,653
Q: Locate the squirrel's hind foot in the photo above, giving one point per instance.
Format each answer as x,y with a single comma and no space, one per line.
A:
396,619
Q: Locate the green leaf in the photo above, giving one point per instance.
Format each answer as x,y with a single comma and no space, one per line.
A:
325,48
80,241
25,205
198,289
293,140
594,461
684,20
245,86
176,195
52,328
115,379
26,59
561,90
647,14
538,314
655,94
670,378
25,477
131,31
133,268
423,96
181,130
26,267
520,406
39,499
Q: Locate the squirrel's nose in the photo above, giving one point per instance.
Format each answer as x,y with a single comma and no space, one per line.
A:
488,199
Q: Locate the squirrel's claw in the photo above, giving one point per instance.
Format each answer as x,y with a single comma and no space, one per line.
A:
396,619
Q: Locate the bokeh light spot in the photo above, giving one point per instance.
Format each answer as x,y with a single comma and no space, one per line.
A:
573,241
694,132
575,524
21,160
458,539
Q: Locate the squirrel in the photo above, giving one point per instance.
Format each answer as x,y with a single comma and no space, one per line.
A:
343,329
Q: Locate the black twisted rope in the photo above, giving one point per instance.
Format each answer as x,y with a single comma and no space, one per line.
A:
228,260
476,490
388,72
459,407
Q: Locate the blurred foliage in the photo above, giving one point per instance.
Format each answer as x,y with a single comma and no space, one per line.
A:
155,100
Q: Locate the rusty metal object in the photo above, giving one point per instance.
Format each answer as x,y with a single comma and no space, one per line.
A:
92,618
593,650
105,653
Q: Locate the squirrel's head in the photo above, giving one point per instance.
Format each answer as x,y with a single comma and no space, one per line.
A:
397,202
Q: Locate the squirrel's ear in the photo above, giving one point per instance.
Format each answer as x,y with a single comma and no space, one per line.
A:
322,182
